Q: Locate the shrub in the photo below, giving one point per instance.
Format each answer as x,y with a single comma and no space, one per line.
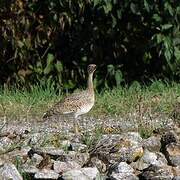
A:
52,41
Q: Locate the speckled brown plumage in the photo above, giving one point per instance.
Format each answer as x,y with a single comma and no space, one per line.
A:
77,103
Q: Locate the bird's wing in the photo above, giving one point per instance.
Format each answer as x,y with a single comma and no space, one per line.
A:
70,104
76,96
73,102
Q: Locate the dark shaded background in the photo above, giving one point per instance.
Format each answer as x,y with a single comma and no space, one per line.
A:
51,42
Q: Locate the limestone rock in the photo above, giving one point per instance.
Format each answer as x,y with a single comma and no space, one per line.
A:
134,137
91,172
176,172
25,150
46,162
5,142
51,151
150,158
78,147
36,159
176,178
74,174
46,174
99,164
152,143
115,148
78,157
61,167
9,171
157,172
172,154
30,169
130,154
122,171
82,174
117,176
122,167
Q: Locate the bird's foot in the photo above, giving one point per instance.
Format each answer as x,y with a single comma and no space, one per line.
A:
77,132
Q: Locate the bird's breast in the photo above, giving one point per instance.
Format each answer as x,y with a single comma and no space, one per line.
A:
84,108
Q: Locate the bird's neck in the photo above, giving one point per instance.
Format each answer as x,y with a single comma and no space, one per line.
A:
90,83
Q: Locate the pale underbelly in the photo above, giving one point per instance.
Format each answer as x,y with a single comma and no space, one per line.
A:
84,109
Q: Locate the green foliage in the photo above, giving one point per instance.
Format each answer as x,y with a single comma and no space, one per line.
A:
19,166
91,139
51,42
145,131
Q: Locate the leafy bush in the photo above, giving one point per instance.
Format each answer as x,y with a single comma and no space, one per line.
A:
52,41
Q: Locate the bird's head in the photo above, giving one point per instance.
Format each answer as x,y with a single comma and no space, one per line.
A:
91,68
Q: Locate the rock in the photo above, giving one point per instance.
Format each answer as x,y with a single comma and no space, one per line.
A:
172,154
46,162
160,159
36,159
74,174
25,150
79,147
167,138
46,174
119,124
9,171
99,164
149,158
152,143
122,167
51,151
176,172
30,169
61,167
91,172
115,148
176,178
157,172
20,154
110,143
78,157
117,176
130,154
36,139
134,137
122,171
82,174
5,142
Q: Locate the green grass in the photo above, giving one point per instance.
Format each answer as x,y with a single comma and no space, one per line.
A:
157,98
15,104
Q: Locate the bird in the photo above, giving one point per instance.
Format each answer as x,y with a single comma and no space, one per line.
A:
77,103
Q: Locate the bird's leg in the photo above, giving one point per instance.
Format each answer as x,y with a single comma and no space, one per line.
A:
76,125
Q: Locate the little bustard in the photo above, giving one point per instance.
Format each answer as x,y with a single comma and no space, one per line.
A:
77,103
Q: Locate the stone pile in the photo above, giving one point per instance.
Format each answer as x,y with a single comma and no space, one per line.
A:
122,156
